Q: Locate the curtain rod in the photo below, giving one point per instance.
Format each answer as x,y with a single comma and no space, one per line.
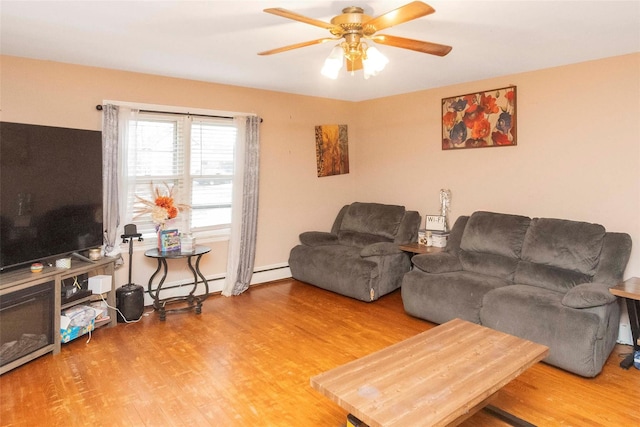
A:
99,108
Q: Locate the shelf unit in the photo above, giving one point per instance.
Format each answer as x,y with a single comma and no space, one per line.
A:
23,278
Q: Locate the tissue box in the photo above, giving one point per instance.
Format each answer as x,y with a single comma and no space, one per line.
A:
73,332
76,321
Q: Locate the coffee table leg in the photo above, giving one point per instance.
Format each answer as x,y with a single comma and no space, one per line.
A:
352,421
507,417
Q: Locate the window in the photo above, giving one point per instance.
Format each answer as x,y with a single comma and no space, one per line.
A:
194,155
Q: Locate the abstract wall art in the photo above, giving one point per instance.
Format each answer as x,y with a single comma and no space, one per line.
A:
332,150
481,119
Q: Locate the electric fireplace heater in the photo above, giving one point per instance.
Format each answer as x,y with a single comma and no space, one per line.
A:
26,323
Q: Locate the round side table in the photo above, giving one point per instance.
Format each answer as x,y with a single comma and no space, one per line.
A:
193,301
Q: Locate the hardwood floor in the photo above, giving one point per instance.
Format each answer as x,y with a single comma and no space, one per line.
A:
247,360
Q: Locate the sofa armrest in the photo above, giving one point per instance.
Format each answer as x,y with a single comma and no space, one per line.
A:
439,262
318,238
588,295
380,249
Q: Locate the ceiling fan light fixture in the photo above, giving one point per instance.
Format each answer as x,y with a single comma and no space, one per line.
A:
354,27
373,62
333,63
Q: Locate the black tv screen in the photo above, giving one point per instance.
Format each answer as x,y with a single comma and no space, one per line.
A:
50,192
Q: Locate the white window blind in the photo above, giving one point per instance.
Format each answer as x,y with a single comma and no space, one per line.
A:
212,168
195,156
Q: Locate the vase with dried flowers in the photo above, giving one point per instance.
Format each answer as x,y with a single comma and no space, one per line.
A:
162,208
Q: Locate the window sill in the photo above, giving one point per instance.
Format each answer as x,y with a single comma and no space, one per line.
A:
201,238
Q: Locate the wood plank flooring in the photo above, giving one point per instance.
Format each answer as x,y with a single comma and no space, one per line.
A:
247,360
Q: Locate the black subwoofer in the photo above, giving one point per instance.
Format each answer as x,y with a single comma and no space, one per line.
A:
130,302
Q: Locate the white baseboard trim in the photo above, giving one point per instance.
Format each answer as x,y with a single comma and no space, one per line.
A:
264,274
271,273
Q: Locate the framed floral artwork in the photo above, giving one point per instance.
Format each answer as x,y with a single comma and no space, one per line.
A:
481,119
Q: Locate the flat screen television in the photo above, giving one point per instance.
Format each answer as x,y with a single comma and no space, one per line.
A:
50,192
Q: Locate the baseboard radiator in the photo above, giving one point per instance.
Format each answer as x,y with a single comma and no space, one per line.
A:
261,275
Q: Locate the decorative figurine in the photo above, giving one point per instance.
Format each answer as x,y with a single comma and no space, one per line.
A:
445,207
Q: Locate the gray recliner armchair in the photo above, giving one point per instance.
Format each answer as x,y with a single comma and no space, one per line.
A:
360,257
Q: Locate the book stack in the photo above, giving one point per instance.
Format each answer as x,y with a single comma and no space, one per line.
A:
439,238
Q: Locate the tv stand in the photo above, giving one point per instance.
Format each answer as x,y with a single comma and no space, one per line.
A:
23,278
82,257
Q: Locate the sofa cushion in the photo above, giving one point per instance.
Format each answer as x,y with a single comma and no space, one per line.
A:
373,218
538,315
380,249
570,245
559,254
489,264
408,229
544,276
495,233
359,240
318,238
441,297
335,268
491,243
616,249
439,262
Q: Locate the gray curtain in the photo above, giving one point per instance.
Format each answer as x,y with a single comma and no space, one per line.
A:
242,249
110,179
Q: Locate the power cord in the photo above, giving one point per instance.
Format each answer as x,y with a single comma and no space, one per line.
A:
123,317
76,284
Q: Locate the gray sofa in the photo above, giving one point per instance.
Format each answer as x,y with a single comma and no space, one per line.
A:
542,279
359,258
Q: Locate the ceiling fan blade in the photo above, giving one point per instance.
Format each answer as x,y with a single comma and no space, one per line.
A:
297,45
397,16
297,17
417,45
354,65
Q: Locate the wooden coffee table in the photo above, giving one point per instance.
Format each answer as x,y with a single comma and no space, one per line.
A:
439,377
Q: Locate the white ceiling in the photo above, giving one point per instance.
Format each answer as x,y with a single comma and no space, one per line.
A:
218,41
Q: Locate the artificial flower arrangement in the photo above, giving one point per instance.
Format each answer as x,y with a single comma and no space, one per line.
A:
163,206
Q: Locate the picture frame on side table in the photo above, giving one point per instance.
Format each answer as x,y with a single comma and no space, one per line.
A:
169,241
435,223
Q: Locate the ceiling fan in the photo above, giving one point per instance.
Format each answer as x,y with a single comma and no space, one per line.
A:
356,28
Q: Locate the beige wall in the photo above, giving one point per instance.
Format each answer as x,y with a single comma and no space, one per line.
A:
292,198
578,153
